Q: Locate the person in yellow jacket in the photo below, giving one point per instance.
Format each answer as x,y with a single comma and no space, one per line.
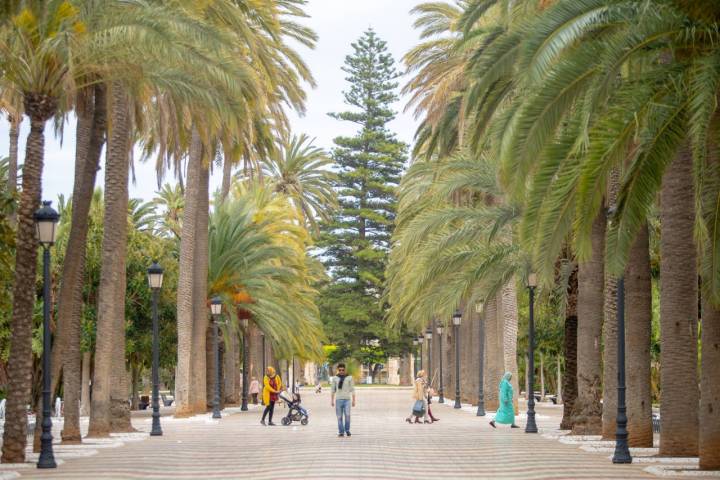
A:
272,386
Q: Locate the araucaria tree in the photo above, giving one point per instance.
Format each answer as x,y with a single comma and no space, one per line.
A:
355,243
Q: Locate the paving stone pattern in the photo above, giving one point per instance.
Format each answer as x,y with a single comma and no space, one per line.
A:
383,446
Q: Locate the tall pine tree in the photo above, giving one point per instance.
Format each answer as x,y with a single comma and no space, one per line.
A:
357,241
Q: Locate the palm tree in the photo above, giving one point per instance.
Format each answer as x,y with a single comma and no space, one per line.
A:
638,332
454,243
170,200
11,104
190,76
258,41
590,310
299,170
111,304
33,57
710,393
90,138
634,114
259,264
678,309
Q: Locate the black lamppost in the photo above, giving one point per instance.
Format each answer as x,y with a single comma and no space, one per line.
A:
440,338
622,452
415,356
155,280
531,427
457,319
244,405
46,219
216,310
481,360
262,335
428,335
421,340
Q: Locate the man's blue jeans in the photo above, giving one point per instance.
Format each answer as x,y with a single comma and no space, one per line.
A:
342,408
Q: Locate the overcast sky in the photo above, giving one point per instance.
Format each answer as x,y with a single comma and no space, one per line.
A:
338,23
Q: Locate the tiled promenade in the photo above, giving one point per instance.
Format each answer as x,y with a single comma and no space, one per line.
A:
383,446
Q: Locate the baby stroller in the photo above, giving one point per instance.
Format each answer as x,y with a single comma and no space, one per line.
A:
296,412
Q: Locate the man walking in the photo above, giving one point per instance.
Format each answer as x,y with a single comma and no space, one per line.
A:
343,392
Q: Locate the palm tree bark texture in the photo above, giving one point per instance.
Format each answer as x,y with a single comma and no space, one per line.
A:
39,108
570,352
591,283
492,357
200,303
609,332
638,326
90,132
186,278
510,332
678,310
710,390
111,293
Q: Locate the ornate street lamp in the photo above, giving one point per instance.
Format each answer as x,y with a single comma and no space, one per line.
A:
244,406
457,319
155,280
481,362
216,310
46,219
622,452
531,427
440,339
428,335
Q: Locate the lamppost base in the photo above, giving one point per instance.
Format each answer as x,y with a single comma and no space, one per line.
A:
244,406
621,456
442,398
457,404
156,430
531,426
46,460
216,415
480,412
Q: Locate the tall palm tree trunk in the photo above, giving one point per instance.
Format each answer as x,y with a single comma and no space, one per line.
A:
569,387
710,390
111,293
226,179
200,322
591,283
85,391
119,406
39,109
638,325
231,351
14,121
678,310
186,277
90,131
510,333
492,364
609,333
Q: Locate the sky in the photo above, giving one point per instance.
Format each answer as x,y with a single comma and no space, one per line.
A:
338,23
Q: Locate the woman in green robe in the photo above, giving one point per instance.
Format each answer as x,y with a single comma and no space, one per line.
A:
506,412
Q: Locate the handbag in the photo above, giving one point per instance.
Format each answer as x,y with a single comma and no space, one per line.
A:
419,408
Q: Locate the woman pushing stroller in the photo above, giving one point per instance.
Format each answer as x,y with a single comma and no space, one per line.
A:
272,386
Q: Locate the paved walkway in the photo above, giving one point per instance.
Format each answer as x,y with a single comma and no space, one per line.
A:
383,446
